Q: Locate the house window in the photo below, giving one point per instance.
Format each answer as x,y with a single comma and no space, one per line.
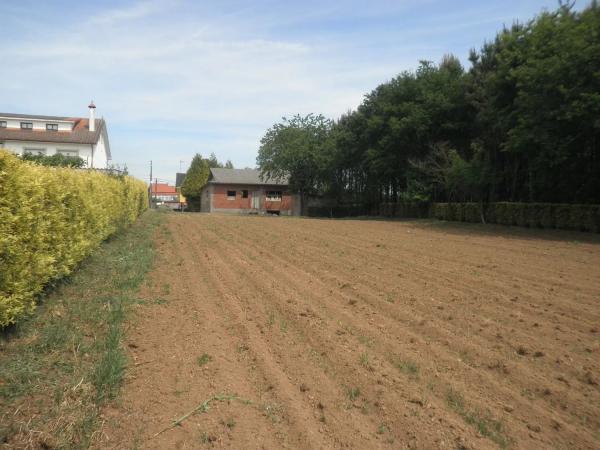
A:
34,151
69,153
245,193
51,127
2,123
274,196
230,195
27,125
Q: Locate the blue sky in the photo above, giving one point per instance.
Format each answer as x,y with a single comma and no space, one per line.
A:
173,78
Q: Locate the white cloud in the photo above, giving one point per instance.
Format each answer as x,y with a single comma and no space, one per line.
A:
128,13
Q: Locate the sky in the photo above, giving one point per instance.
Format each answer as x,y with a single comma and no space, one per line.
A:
174,78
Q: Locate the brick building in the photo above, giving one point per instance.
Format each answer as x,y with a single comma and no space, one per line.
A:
243,191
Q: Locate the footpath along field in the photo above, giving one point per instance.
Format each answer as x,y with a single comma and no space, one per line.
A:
299,333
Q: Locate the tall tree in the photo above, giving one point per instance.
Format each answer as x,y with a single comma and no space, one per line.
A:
295,149
195,179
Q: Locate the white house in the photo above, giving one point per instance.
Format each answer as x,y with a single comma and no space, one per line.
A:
48,135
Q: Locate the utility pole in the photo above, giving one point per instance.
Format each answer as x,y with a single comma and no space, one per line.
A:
150,187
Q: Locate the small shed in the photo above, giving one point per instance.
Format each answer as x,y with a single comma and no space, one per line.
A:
243,191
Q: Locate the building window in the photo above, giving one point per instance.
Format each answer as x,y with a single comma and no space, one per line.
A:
2,123
27,125
245,193
34,151
68,153
274,196
230,195
51,127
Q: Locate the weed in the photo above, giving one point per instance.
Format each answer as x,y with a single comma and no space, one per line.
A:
382,428
271,319
230,423
206,438
283,326
406,366
272,412
483,422
365,408
353,393
365,340
204,359
364,360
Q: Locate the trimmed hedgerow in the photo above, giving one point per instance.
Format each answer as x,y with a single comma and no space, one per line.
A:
50,219
533,215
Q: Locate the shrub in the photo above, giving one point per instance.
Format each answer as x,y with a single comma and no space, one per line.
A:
50,219
562,217
540,215
472,212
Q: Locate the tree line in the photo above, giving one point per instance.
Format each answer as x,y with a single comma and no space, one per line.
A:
522,124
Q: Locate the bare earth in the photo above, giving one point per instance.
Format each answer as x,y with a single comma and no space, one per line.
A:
363,334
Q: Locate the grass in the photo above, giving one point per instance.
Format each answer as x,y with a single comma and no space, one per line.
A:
204,359
483,422
407,367
61,364
353,393
364,360
283,325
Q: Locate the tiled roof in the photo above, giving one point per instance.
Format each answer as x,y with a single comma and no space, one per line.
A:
163,188
81,133
242,176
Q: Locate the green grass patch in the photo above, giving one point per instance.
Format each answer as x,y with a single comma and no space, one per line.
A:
353,393
61,364
406,366
482,421
204,359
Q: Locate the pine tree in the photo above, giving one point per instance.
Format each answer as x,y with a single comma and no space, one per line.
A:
195,179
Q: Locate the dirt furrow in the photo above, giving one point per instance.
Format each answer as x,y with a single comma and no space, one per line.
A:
364,334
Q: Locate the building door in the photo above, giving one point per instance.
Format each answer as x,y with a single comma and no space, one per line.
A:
255,199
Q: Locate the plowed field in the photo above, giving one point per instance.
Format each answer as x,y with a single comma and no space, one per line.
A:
298,333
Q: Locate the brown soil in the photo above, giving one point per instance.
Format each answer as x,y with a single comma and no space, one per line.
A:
363,334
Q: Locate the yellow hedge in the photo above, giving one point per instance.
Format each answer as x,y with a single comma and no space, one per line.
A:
50,219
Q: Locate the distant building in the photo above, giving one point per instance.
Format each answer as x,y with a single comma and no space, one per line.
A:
243,191
163,194
48,135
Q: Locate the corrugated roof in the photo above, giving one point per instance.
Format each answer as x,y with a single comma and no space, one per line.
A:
242,176
81,133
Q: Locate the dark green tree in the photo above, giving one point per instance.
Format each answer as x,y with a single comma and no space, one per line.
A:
295,149
195,179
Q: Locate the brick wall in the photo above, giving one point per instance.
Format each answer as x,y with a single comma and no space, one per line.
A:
220,199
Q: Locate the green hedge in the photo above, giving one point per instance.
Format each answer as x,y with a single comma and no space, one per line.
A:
341,211
404,209
532,215
50,219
